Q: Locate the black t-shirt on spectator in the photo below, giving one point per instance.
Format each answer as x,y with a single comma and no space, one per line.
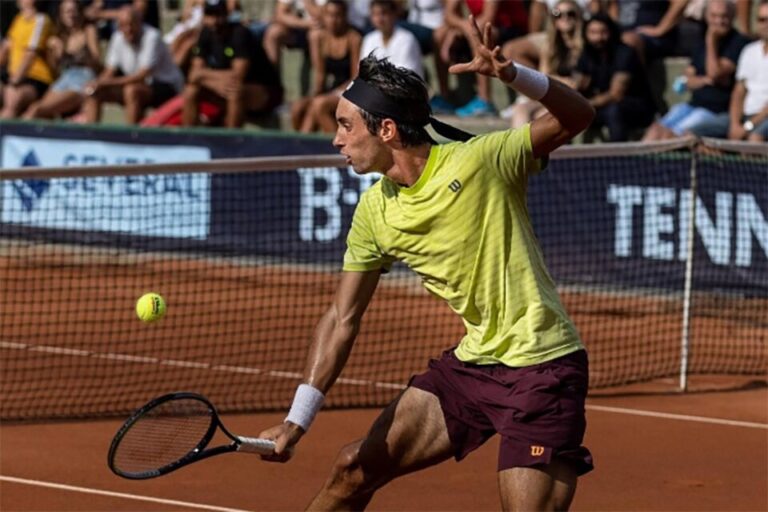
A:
218,49
623,59
637,13
714,97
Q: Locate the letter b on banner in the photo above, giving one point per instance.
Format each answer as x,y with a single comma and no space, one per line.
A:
320,191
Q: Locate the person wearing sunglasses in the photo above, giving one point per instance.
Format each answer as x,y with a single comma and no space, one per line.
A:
560,52
527,49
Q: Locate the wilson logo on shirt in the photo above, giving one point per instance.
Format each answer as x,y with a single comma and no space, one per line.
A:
537,451
455,186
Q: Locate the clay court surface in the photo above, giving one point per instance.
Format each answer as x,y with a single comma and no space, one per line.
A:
643,462
654,449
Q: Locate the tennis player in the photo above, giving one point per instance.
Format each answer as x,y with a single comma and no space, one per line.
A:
456,214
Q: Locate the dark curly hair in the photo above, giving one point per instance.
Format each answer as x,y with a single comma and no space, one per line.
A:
403,86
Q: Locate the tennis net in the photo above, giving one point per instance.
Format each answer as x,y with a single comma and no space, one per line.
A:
247,254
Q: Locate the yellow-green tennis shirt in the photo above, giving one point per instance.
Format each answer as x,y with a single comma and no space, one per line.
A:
464,228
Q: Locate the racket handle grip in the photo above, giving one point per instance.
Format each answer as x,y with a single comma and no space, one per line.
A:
256,445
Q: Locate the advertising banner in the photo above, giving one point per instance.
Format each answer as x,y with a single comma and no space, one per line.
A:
180,202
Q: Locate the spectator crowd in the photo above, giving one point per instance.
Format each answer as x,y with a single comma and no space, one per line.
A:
66,59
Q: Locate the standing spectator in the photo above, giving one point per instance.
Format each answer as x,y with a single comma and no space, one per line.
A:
390,41
228,69
28,72
710,76
508,19
560,53
747,117
139,71
426,21
610,75
75,47
290,27
335,52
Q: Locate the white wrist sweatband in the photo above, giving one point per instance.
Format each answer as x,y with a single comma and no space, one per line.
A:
530,82
307,401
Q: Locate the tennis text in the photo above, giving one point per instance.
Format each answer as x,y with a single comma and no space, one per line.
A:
730,230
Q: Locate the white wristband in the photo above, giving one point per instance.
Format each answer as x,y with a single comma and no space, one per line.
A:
306,403
530,82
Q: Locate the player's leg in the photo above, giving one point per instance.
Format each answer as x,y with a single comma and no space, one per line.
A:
549,487
410,434
541,421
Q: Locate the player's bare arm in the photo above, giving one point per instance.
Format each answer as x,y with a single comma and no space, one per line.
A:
329,350
569,113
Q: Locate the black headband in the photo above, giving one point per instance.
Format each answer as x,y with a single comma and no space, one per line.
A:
373,101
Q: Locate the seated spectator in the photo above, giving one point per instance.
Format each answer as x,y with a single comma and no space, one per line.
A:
709,77
610,75
508,19
747,118
75,47
390,41
526,50
229,70
139,71
335,53
290,27
426,21
560,53
648,26
28,74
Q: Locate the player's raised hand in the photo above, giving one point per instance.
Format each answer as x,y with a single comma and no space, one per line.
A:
487,58
285,436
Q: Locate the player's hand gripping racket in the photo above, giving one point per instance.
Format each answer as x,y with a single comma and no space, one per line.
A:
170,432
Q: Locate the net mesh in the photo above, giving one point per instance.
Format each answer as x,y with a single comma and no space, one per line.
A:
249,262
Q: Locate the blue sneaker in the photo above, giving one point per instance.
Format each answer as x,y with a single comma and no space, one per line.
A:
440,105
476,108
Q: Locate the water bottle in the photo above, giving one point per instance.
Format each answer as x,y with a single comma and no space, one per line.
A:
680,85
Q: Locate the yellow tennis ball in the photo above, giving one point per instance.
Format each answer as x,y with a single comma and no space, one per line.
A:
150,307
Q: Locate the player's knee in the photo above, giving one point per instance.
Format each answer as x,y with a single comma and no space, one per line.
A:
348,478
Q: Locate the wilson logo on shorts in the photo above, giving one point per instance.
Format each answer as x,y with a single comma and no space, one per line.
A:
455,185
537,451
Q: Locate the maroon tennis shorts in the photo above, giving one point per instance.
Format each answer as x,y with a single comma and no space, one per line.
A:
538,410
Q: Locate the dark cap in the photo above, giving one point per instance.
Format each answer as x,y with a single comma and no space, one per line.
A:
215,7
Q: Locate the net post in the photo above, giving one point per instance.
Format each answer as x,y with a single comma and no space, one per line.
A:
685,337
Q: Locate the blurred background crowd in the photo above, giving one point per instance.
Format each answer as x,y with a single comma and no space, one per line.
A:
219,62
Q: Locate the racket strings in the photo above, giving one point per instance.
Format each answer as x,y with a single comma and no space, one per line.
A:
163,435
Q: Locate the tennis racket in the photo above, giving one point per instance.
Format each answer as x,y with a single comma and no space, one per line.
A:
170,432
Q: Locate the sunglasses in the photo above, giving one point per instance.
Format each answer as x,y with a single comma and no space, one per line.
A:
557,14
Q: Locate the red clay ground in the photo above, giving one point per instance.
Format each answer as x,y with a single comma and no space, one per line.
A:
67,329
643,463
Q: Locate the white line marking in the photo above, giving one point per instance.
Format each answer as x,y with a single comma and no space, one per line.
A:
87,490
681,417
342,380
59,350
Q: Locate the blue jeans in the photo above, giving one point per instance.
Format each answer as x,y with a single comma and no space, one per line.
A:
684,116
